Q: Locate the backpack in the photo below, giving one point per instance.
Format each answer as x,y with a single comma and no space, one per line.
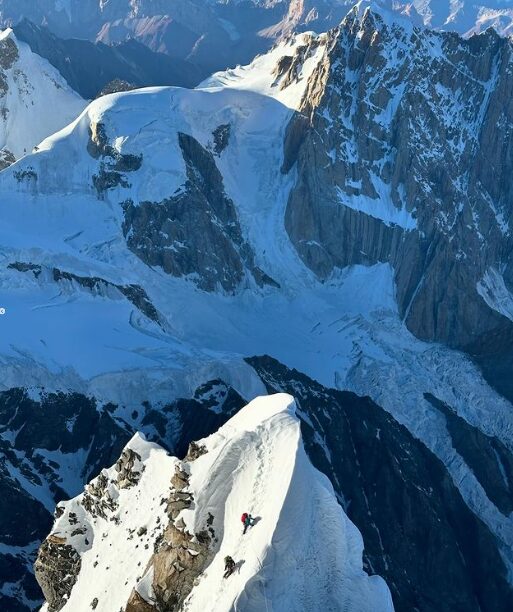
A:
244,517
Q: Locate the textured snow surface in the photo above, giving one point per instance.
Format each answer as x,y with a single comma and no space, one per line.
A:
380,208
37,103
120,559
302,552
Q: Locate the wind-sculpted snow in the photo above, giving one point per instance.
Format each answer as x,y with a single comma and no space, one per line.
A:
302,550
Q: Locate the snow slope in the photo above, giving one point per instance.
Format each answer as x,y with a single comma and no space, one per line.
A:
260,76
302,552
35,101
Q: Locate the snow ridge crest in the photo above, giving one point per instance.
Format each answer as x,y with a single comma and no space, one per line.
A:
154,530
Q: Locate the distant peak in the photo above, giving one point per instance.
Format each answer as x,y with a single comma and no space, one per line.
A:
7,34
401,13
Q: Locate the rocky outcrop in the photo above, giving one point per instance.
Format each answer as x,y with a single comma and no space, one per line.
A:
221,138
180,557
177,564
195,451
115,86
126,466
135,294
402,154
6,158
97,499
137,603
195,233
57,567
8,53
113,165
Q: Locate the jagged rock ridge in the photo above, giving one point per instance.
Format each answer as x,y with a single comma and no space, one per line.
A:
405,158
60,442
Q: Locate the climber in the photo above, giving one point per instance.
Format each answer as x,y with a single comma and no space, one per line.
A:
229,566
247,520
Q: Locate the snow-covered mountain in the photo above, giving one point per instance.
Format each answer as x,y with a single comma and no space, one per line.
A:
466,17
342,205
215,34
35,101
89,67
152,532
212,35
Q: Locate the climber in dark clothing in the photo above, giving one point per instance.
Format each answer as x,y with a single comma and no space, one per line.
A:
229,566
247,521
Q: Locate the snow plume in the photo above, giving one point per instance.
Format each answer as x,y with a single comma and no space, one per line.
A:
301,552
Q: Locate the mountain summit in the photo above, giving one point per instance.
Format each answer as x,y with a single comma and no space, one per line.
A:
216,34
152,532
35,101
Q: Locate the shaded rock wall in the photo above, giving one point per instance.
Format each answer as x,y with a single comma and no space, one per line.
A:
195,233
403,153
433,552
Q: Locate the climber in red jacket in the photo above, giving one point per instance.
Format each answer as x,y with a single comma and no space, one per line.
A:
247,521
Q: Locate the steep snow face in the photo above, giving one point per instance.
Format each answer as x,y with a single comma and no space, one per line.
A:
35,101
293,58
301,552
494,292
